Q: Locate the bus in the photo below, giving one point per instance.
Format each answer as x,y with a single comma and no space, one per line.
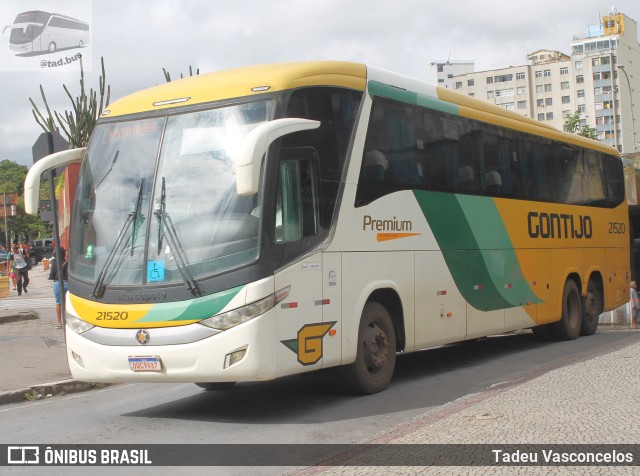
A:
271,220
37,31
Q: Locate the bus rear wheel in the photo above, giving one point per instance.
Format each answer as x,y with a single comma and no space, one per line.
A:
569,325
376,354
593,305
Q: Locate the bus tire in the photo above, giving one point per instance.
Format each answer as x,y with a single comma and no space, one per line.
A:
569,325
376,355
52,47
593,305
216,385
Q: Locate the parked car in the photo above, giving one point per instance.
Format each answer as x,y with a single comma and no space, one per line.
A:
41,249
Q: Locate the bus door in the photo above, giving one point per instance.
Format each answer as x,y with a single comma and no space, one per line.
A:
299,325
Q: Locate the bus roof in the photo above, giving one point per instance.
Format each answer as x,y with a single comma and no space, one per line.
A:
242,82
253,80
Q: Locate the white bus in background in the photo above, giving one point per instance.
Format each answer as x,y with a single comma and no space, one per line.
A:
36,31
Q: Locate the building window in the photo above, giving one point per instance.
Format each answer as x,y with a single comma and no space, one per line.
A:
508,105
539,88
580,93
579,79
540,102
538,74
578,64
490,95
582,108
520,75
541,117
597,91
458,84
440,68
521,90
549,116
548,102
564,70
596,76
566,99
547,73
522,104
471,82
564,85
547,88
566,113
489,79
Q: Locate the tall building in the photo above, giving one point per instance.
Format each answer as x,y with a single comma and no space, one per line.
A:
443,72
597,80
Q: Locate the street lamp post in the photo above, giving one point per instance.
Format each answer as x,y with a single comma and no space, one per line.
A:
633,120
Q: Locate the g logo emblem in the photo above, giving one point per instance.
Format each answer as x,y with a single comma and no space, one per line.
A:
143,337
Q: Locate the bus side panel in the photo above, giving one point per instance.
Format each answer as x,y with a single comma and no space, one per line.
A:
332,283
536,268
363,274
616,278
300,331
440,308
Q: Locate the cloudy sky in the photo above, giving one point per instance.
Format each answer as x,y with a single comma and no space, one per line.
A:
137,38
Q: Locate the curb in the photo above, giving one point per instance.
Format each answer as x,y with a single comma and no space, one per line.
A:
7,316
48,390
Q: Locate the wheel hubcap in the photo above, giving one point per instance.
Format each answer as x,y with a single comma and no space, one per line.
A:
376,348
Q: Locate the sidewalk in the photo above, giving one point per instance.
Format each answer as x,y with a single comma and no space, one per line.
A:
33,359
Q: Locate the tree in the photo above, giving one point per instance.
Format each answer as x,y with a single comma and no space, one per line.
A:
77,124
12,177
167,76
573,124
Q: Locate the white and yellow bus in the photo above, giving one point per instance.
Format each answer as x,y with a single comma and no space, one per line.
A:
272,220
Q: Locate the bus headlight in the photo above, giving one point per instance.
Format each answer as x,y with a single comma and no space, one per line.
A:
76,324
243,314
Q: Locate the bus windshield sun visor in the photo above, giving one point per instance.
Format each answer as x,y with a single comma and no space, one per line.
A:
132,219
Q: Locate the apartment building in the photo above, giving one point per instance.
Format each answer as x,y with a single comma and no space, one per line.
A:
599,79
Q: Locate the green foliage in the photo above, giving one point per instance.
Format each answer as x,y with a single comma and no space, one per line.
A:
12,177
572,124
77,124
167,76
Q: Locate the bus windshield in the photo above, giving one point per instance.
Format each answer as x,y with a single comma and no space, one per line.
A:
28,26
157,201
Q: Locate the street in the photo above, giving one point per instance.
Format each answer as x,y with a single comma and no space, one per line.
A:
301,409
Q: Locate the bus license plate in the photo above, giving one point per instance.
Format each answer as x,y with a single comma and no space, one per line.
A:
145,364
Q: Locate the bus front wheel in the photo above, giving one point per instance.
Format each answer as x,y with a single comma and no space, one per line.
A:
376,354
52,47
569,325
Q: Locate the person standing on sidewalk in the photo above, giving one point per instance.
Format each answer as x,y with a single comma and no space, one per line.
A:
53,275
635,304
20,261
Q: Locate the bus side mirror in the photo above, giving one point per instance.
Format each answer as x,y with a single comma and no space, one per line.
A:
32,182
255,145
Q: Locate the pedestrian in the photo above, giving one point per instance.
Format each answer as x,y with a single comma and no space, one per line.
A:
20,261
635,304
53,275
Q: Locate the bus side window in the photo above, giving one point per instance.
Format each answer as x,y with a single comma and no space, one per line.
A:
296,201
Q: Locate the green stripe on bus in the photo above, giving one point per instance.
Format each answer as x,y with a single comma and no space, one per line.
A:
408,97
477,250
193,309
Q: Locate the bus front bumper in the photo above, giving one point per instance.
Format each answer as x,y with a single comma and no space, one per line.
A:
243,353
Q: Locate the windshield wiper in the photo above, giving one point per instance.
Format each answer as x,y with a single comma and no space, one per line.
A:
132,218
165,225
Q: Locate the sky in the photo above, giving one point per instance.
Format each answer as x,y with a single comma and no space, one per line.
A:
137,38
